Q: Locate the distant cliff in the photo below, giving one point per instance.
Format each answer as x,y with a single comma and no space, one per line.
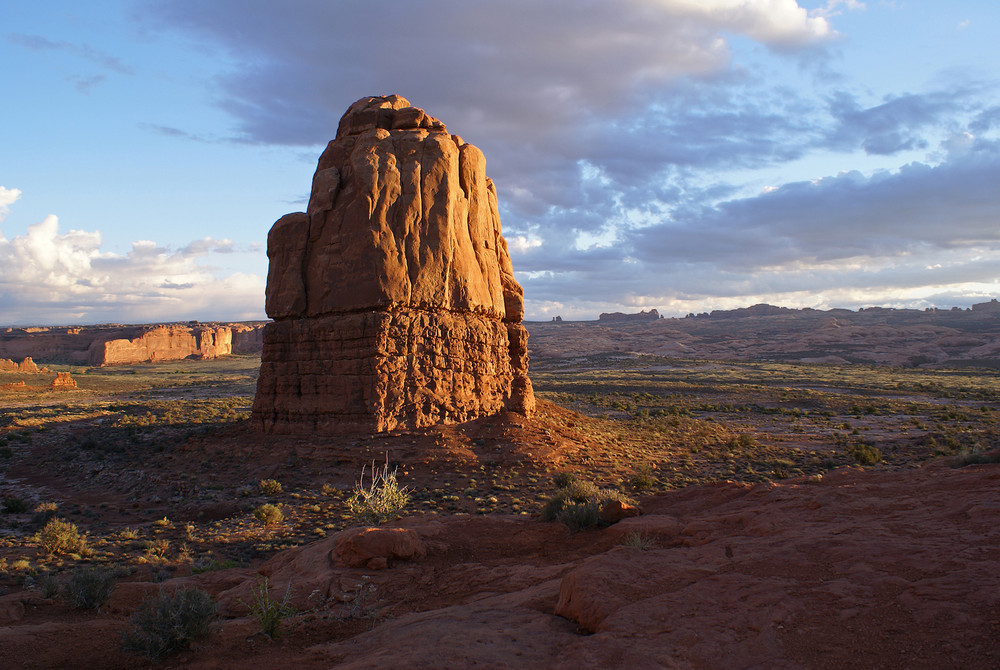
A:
651,315
123,345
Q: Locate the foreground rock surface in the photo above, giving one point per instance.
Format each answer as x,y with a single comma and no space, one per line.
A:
393,296
860,570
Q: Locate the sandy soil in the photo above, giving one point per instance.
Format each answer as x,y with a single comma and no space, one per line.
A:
860,569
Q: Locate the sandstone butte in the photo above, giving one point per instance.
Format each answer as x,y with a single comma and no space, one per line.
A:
126,345
393,299
27,366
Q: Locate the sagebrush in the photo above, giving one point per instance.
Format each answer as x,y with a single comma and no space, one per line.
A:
61,537
578,505
90,588
381,499
168,623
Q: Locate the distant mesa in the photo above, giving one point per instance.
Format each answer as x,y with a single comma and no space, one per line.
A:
393,297
760,309
651,315
126,345
991,306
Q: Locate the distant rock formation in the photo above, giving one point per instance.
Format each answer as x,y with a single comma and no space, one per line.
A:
63,381
651,315
393,297
126,345
27,366
881,336
164,343
991,306
760,309
248,338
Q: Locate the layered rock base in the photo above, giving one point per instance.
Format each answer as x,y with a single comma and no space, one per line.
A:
382,370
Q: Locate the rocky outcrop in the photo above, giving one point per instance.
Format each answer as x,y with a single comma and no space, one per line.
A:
63,381
393,297
27,366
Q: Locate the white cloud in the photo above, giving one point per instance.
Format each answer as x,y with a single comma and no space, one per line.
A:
778,23
8,196
49,277
833,7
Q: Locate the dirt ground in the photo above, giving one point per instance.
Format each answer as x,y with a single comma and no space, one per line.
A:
775,550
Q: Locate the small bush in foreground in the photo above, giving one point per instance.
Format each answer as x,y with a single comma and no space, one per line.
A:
637,540
267,611
168,623
60,537
563,479
643,478
269,514
865,454
578,505
270,487
381,500
89,588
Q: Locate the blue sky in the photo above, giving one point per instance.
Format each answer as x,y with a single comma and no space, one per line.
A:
686,155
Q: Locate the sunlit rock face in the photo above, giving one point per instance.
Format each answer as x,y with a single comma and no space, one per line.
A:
393,297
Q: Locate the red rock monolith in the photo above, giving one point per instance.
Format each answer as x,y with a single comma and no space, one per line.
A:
63,381
393,297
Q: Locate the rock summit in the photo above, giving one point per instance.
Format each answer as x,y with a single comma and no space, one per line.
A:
393,299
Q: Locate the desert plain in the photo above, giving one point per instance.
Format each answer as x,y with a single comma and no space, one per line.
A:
794,514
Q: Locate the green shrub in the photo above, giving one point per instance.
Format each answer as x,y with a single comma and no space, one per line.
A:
381,499
643,478
89,588
578,516
270,487
48,586
14,506
267,611
865,454
578,505
563,479
269,514
60,537
168,623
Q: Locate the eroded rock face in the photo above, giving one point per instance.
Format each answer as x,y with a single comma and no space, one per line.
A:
164,343
121,345
393,297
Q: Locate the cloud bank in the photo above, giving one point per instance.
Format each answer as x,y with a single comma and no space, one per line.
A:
623,138
48,277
